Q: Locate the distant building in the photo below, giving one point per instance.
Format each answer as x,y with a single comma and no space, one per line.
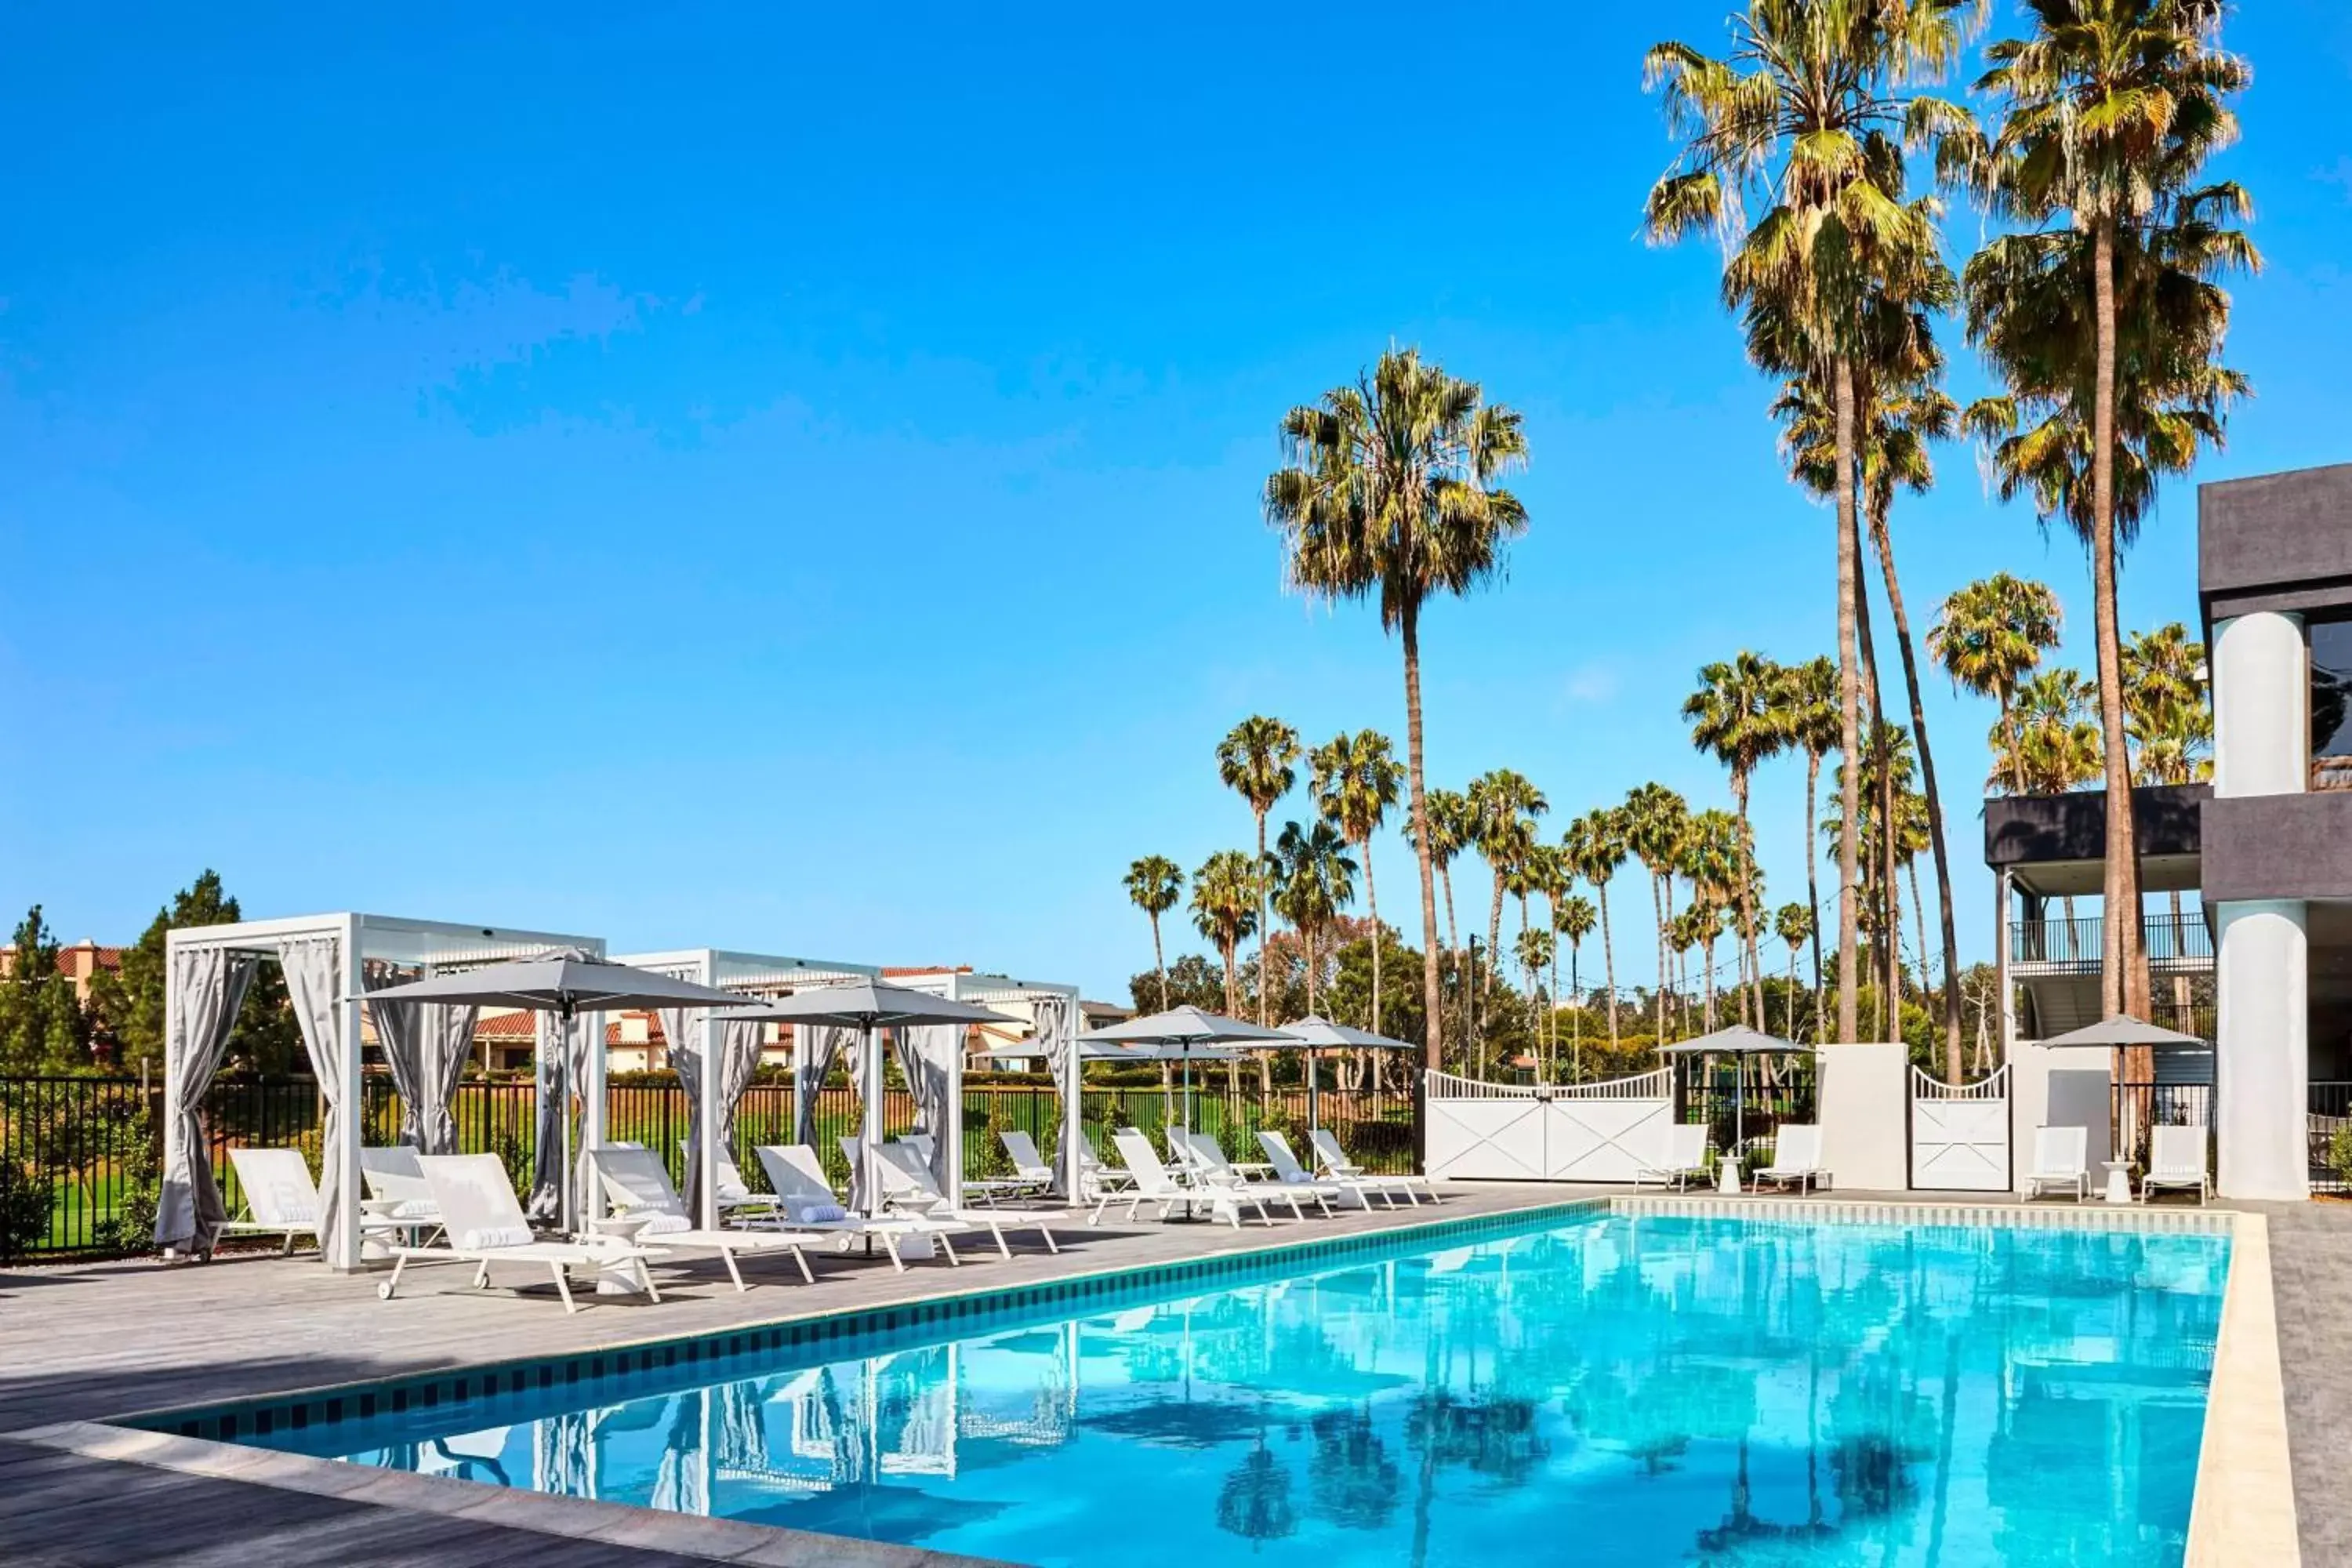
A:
80,964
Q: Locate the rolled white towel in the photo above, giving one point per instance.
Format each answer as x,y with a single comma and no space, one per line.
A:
491,1238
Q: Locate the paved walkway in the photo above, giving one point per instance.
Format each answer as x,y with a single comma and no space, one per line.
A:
2311,1270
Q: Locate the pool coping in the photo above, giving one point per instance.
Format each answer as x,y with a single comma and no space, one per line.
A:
2243,1509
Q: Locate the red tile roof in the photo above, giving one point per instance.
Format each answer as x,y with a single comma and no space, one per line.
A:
890,971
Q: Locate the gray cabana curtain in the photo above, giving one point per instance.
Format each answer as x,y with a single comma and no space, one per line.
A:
856,1045
427,1045
207,988
930,1059
1057,1021
815,1047
314,966
560,1067
738,1058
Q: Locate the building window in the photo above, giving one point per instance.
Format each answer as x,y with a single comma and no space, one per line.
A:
2331,704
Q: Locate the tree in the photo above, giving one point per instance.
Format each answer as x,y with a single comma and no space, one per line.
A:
1255,761
2109,109
2050,744
1154,883
1355,780
2166,713
1736,714
1392,491
1810,700
1656,819
1595,846
1803,115
1226,898
128,1001
1313,879
1449,834
1792,924
1547,871
1574,919
1715,858
1504,805
1991,633
43,1028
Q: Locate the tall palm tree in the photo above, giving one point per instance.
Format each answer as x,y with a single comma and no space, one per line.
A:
1255,761
1226,898
1901,409
1655,820
1715,858
1393,490
1810,701
1536,952
2109,110
1595,847
1804,115
2166,713
1574,919
2052,743
1314,878
1450,824
1154,883
1548,872
1504,805
1993,633
1355,779
1792,924
1735,713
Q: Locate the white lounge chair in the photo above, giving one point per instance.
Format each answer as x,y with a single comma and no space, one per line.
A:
1155,1184
1095,1178
2058,1160
909,1186
1684,1159
280,1199
2176,1158
806,1201
987,1189
736,1198
1213,1172
1027,1164
638,1186
484,1224
1334,1162
1796,1159
1289,1173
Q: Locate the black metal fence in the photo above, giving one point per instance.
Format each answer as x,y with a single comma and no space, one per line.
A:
2327,1125
94,1144
2138,1107
1753,1110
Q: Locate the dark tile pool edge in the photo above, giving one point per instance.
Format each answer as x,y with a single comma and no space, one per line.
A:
1929,1212
263,1415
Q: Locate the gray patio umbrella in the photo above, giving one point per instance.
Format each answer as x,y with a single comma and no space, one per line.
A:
566,983
2119,1030
866,1005
1186,1030
1739,1042
1318,1033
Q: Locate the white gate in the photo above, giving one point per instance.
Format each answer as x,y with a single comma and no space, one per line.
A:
1556,1133
1959,1134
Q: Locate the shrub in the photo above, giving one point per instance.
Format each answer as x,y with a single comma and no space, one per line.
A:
25,1200
2340,1152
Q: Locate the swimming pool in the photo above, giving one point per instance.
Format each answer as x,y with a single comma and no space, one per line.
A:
1603,1390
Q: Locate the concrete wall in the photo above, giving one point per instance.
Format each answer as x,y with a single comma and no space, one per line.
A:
1866,1116
2278,847
2061,1088
2276,542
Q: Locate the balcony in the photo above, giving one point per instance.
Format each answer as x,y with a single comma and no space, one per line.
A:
2174,942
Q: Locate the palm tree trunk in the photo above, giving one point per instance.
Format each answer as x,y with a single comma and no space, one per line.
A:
1576,1019
1372,901
1666,975
1264,919
1159,962
1812,876
1885,537
1431,989
2009,736
1494,937
1751,975
1232,983
1789,1011
1849,701
2122,973
1919,918
1608,960
1882,874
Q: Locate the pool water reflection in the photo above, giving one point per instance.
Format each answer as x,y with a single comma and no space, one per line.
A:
1611,1391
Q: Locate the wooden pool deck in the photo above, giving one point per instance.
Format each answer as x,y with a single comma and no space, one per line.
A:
81,1344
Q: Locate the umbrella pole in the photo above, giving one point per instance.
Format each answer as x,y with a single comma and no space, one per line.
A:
870,1120
1314,1118
563,1101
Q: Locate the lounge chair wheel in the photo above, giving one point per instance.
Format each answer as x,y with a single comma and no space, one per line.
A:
383,1290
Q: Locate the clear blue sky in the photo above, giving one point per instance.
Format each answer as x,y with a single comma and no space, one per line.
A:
768,478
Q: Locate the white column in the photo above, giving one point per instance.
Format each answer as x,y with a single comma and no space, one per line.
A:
344,1250
2261,734
2261,1058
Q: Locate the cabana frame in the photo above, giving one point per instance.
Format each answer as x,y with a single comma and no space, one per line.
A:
758,976
998,991
430,947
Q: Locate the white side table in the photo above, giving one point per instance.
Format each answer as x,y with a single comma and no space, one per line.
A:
2118,1180
620,1276
1727,1175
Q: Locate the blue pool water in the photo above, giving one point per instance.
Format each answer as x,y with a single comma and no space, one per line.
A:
1612,1391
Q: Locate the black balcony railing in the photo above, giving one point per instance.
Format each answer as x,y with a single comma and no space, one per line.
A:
2171,939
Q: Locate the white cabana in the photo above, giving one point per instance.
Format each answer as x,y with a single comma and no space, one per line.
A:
1050,1009
696,1037
330,962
